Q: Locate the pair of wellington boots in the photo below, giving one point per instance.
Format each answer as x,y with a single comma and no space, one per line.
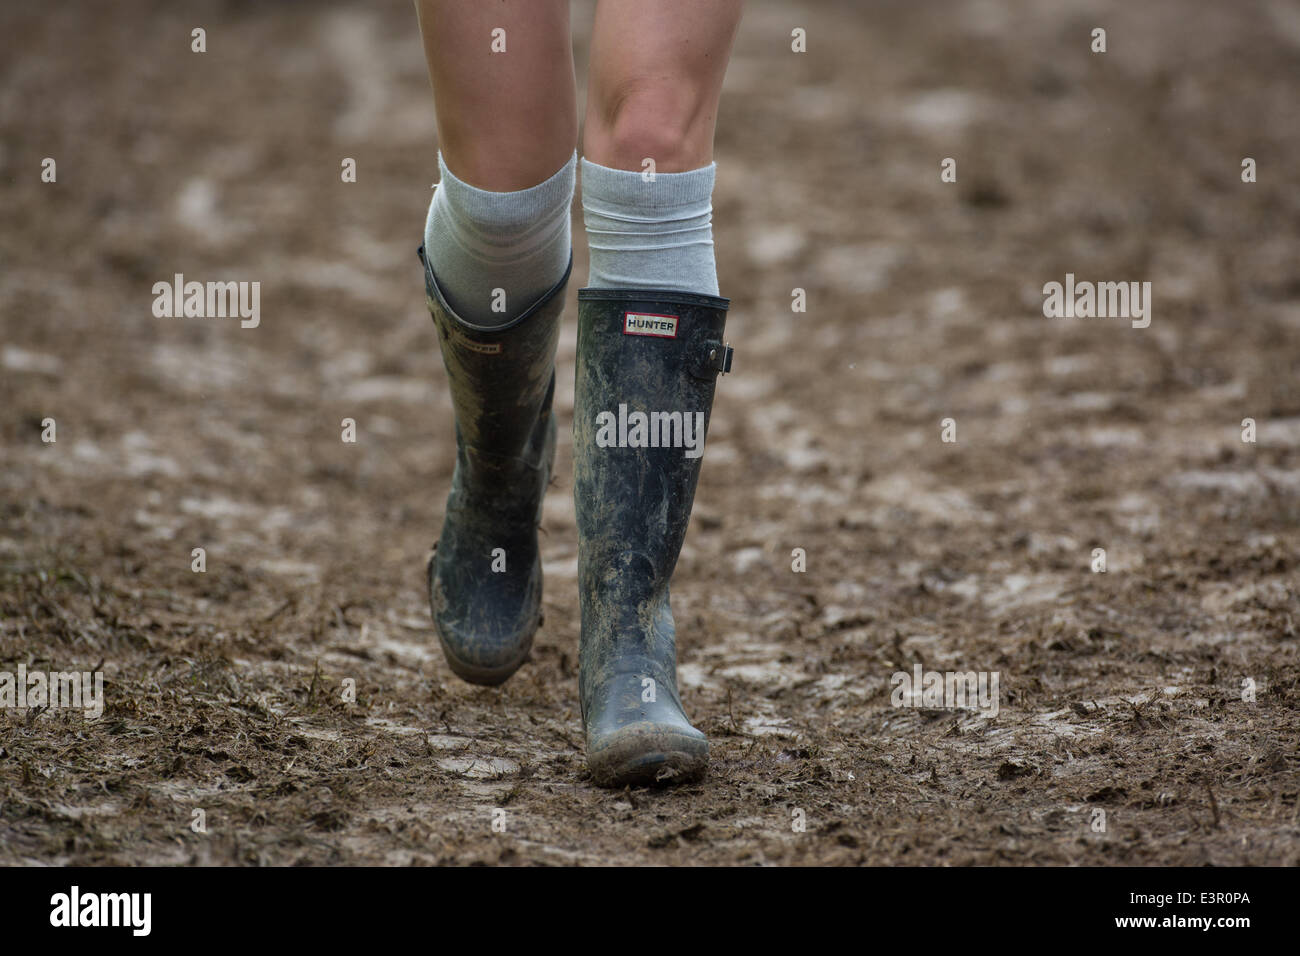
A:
656,353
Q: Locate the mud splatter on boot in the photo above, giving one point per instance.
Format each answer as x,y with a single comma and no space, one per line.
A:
647,367
485,576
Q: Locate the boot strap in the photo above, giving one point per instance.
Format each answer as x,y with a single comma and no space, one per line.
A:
710,357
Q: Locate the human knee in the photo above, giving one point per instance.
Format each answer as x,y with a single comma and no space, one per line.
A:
663,121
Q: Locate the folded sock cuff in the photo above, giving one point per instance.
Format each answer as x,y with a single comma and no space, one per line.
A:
507,214
630,189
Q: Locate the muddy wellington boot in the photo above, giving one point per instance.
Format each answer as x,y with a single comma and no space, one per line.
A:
485,576
648,362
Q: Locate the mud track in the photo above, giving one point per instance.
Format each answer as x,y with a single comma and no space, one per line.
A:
1124,692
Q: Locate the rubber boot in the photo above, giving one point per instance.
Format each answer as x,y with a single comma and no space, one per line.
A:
485,575
638,351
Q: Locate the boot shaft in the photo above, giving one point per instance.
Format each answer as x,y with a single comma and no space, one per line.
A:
501,379
647,368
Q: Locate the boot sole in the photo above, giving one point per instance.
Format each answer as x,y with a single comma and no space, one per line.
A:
646,754
473,673
485,676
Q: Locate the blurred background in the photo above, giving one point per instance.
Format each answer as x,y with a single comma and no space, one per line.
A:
923,302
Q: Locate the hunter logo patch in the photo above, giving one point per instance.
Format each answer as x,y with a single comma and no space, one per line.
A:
646,323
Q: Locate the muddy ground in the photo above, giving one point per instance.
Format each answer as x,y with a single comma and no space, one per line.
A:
1125,691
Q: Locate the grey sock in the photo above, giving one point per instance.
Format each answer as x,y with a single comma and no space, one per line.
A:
495,254
650,235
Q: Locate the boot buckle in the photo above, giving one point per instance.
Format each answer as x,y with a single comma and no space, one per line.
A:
720,357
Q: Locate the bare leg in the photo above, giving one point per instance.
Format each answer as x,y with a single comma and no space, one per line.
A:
655,81
506,120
